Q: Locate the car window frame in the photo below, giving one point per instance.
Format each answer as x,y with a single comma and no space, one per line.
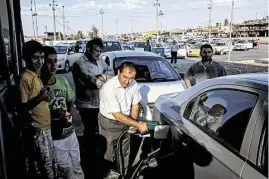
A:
244,151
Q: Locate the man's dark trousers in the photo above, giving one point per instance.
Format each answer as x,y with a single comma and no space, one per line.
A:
89,118
173,57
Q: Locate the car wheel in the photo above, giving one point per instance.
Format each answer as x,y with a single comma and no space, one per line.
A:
66,67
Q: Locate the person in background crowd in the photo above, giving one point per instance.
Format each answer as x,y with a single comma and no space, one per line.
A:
207,68
147,47
119,108
88,74
65,141
36,114
174,48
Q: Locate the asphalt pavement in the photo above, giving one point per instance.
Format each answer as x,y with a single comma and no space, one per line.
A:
183,64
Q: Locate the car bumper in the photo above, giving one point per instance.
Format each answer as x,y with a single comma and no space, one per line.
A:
240,48
61,65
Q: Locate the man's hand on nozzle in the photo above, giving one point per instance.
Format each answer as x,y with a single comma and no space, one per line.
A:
142,127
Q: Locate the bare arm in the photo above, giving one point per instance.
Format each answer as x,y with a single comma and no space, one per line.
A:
125,120
187,82
135,111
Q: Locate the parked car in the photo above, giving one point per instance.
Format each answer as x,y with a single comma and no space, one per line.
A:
111,45
228,116
139,46
243,45
194,50
155,75
182,52
222,48
66,56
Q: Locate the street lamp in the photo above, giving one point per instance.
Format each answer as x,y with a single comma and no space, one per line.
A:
230,34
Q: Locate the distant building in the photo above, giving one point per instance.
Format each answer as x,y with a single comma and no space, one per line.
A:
252,28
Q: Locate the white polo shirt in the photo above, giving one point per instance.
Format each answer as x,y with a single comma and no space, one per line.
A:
174,48
115,98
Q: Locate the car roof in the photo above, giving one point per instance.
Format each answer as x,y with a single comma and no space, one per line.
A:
252,80
66,45
118,54
111,41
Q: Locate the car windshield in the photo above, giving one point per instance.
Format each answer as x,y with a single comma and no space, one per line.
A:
240,42
150,69
111,46
61,49
220,44
139,44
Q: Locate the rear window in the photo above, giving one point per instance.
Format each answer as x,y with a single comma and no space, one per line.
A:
150,69
111,46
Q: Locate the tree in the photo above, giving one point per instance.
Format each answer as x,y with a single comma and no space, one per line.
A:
226,22
95,31
90,34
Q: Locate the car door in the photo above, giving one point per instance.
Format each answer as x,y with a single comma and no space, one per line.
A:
71,55
218,118
257,163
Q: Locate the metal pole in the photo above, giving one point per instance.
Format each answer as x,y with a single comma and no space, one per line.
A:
209,23
33,22
231,29
157,4
102,21
54,18
46,31
117,29
63,24
36,26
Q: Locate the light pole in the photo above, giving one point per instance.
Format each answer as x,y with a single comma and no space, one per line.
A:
35,14
209,23
33,22
231,29
116,28
54,18
157,4
63,23
161,15
102,21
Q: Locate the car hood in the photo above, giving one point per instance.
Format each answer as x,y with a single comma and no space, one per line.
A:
150,92
61,56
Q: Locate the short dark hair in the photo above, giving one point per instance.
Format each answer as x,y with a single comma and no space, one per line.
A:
48,51
127,64
95,41
29,48
206,46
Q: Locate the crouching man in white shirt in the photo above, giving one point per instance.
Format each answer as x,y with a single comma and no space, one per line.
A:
119,109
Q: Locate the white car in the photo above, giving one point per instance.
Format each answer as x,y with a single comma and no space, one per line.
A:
155,76
66,56
182,52
222,48
243,45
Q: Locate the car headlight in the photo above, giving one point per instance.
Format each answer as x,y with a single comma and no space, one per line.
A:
60,59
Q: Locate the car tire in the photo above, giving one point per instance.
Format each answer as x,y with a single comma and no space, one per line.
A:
66,67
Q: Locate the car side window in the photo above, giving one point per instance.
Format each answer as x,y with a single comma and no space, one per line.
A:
223,113
262,158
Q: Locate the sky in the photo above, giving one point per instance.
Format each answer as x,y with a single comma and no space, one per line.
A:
126,16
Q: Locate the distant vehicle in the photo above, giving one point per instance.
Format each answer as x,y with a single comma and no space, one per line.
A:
139,46
228,118
111,45
194,50
221,48
66,56
155,75
243,45
182,52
